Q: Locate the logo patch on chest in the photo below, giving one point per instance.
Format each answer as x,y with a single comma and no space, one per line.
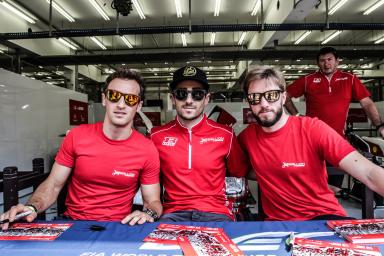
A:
215,139
317,80
295,165
169,141
123,173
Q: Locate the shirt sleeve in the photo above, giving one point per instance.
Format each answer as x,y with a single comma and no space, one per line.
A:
66,154
297,88
331,145
359,91
237,161
151,171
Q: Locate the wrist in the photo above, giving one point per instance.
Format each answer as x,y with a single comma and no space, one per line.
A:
151,213
32,208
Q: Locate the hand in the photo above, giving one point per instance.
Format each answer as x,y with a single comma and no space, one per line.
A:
137,217
381,131
12,213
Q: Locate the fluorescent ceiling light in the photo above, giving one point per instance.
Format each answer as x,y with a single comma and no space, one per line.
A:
96,41
138,8
337,6
178,9
242,37
331,37
217,8
61,11
1,51
183,39
213,35
303,36
68,44
379,40
374,7
256,7
18,10
99,9
125,40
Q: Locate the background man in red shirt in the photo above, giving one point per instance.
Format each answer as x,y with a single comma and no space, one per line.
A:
107,161
195,153
288,154
328,93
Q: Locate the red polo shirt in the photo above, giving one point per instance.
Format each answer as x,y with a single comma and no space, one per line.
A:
329,100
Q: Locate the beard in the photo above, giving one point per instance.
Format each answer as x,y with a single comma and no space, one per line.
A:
269,123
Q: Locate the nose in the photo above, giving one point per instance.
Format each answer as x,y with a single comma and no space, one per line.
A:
121,103
189,98
263,101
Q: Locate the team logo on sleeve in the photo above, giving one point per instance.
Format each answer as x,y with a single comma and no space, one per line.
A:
169,141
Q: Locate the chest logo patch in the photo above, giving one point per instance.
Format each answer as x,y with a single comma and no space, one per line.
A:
341,78
169,141
216,139
122,173
317,80
295,165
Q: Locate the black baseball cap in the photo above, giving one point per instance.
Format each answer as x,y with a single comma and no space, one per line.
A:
189,73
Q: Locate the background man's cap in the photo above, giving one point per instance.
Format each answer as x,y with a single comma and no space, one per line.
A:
189,73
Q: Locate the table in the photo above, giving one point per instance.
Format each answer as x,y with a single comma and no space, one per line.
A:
253,238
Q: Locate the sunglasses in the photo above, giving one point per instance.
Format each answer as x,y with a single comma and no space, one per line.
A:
129,99
196,93
270,96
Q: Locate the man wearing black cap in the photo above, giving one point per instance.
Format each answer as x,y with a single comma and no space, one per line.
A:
195,153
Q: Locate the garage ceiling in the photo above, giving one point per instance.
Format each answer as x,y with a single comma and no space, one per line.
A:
154,44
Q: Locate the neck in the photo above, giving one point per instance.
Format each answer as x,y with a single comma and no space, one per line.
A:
114,132
279,124
189,123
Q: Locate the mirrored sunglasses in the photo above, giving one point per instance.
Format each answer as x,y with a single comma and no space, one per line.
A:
270,96
129,99
196,93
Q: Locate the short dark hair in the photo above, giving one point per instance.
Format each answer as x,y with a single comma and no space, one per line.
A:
126,74
326,50
264,72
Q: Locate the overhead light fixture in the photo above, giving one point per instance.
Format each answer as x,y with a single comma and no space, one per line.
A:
242,37
373,7
183,39
337,6
217,8
256,7
125,40
96,41
68,44
18,10
178,9
138,9
213,35
62,11
335,34
99,9
1,51
303,36
380,40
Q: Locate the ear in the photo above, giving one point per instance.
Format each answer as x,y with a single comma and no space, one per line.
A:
207,98
172,99
103,99
283,97
139,106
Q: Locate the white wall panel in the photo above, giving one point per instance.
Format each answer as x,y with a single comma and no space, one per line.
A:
32,116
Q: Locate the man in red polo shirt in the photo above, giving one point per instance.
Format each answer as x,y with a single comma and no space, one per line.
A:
195,153
105,163
328,93
288,154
